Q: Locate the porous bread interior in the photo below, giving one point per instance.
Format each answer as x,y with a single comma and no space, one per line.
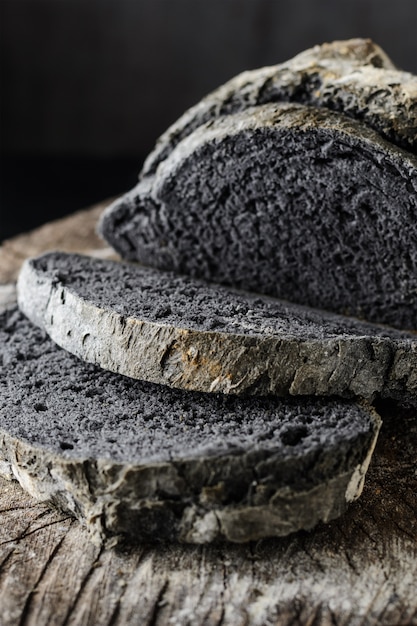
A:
56,402
180,301
308,214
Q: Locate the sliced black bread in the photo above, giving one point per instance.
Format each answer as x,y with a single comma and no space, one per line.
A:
296,202
354,77
142,461
172,329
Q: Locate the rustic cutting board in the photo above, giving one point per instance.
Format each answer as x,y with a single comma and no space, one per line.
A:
358,570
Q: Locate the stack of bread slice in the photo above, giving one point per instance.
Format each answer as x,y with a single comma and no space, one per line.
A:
180,399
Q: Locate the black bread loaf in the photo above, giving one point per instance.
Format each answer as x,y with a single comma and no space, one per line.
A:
293,201
142,461
175,330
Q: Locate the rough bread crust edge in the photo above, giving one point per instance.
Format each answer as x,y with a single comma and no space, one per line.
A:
120,501
354,77
210,361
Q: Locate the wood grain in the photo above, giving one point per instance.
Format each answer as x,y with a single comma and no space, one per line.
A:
360,570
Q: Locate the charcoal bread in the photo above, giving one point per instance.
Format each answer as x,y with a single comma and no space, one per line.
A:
145,462
354,77
186,333
293,201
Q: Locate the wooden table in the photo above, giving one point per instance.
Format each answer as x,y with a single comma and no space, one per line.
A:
358,570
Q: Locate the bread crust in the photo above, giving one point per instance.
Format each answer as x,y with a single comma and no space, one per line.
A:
277,348
354,77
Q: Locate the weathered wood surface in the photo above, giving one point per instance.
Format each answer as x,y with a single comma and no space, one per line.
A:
359,570
75,233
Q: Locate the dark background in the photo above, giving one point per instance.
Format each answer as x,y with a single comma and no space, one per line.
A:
88,85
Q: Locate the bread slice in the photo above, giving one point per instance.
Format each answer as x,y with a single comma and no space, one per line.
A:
354,77
175,330
145,462
295,202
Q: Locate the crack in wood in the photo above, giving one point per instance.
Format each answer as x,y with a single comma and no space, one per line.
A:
4,562
81,588
116,611
333,618
24,535
343,549
23,507
223,592
406,532
158,604
27,605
